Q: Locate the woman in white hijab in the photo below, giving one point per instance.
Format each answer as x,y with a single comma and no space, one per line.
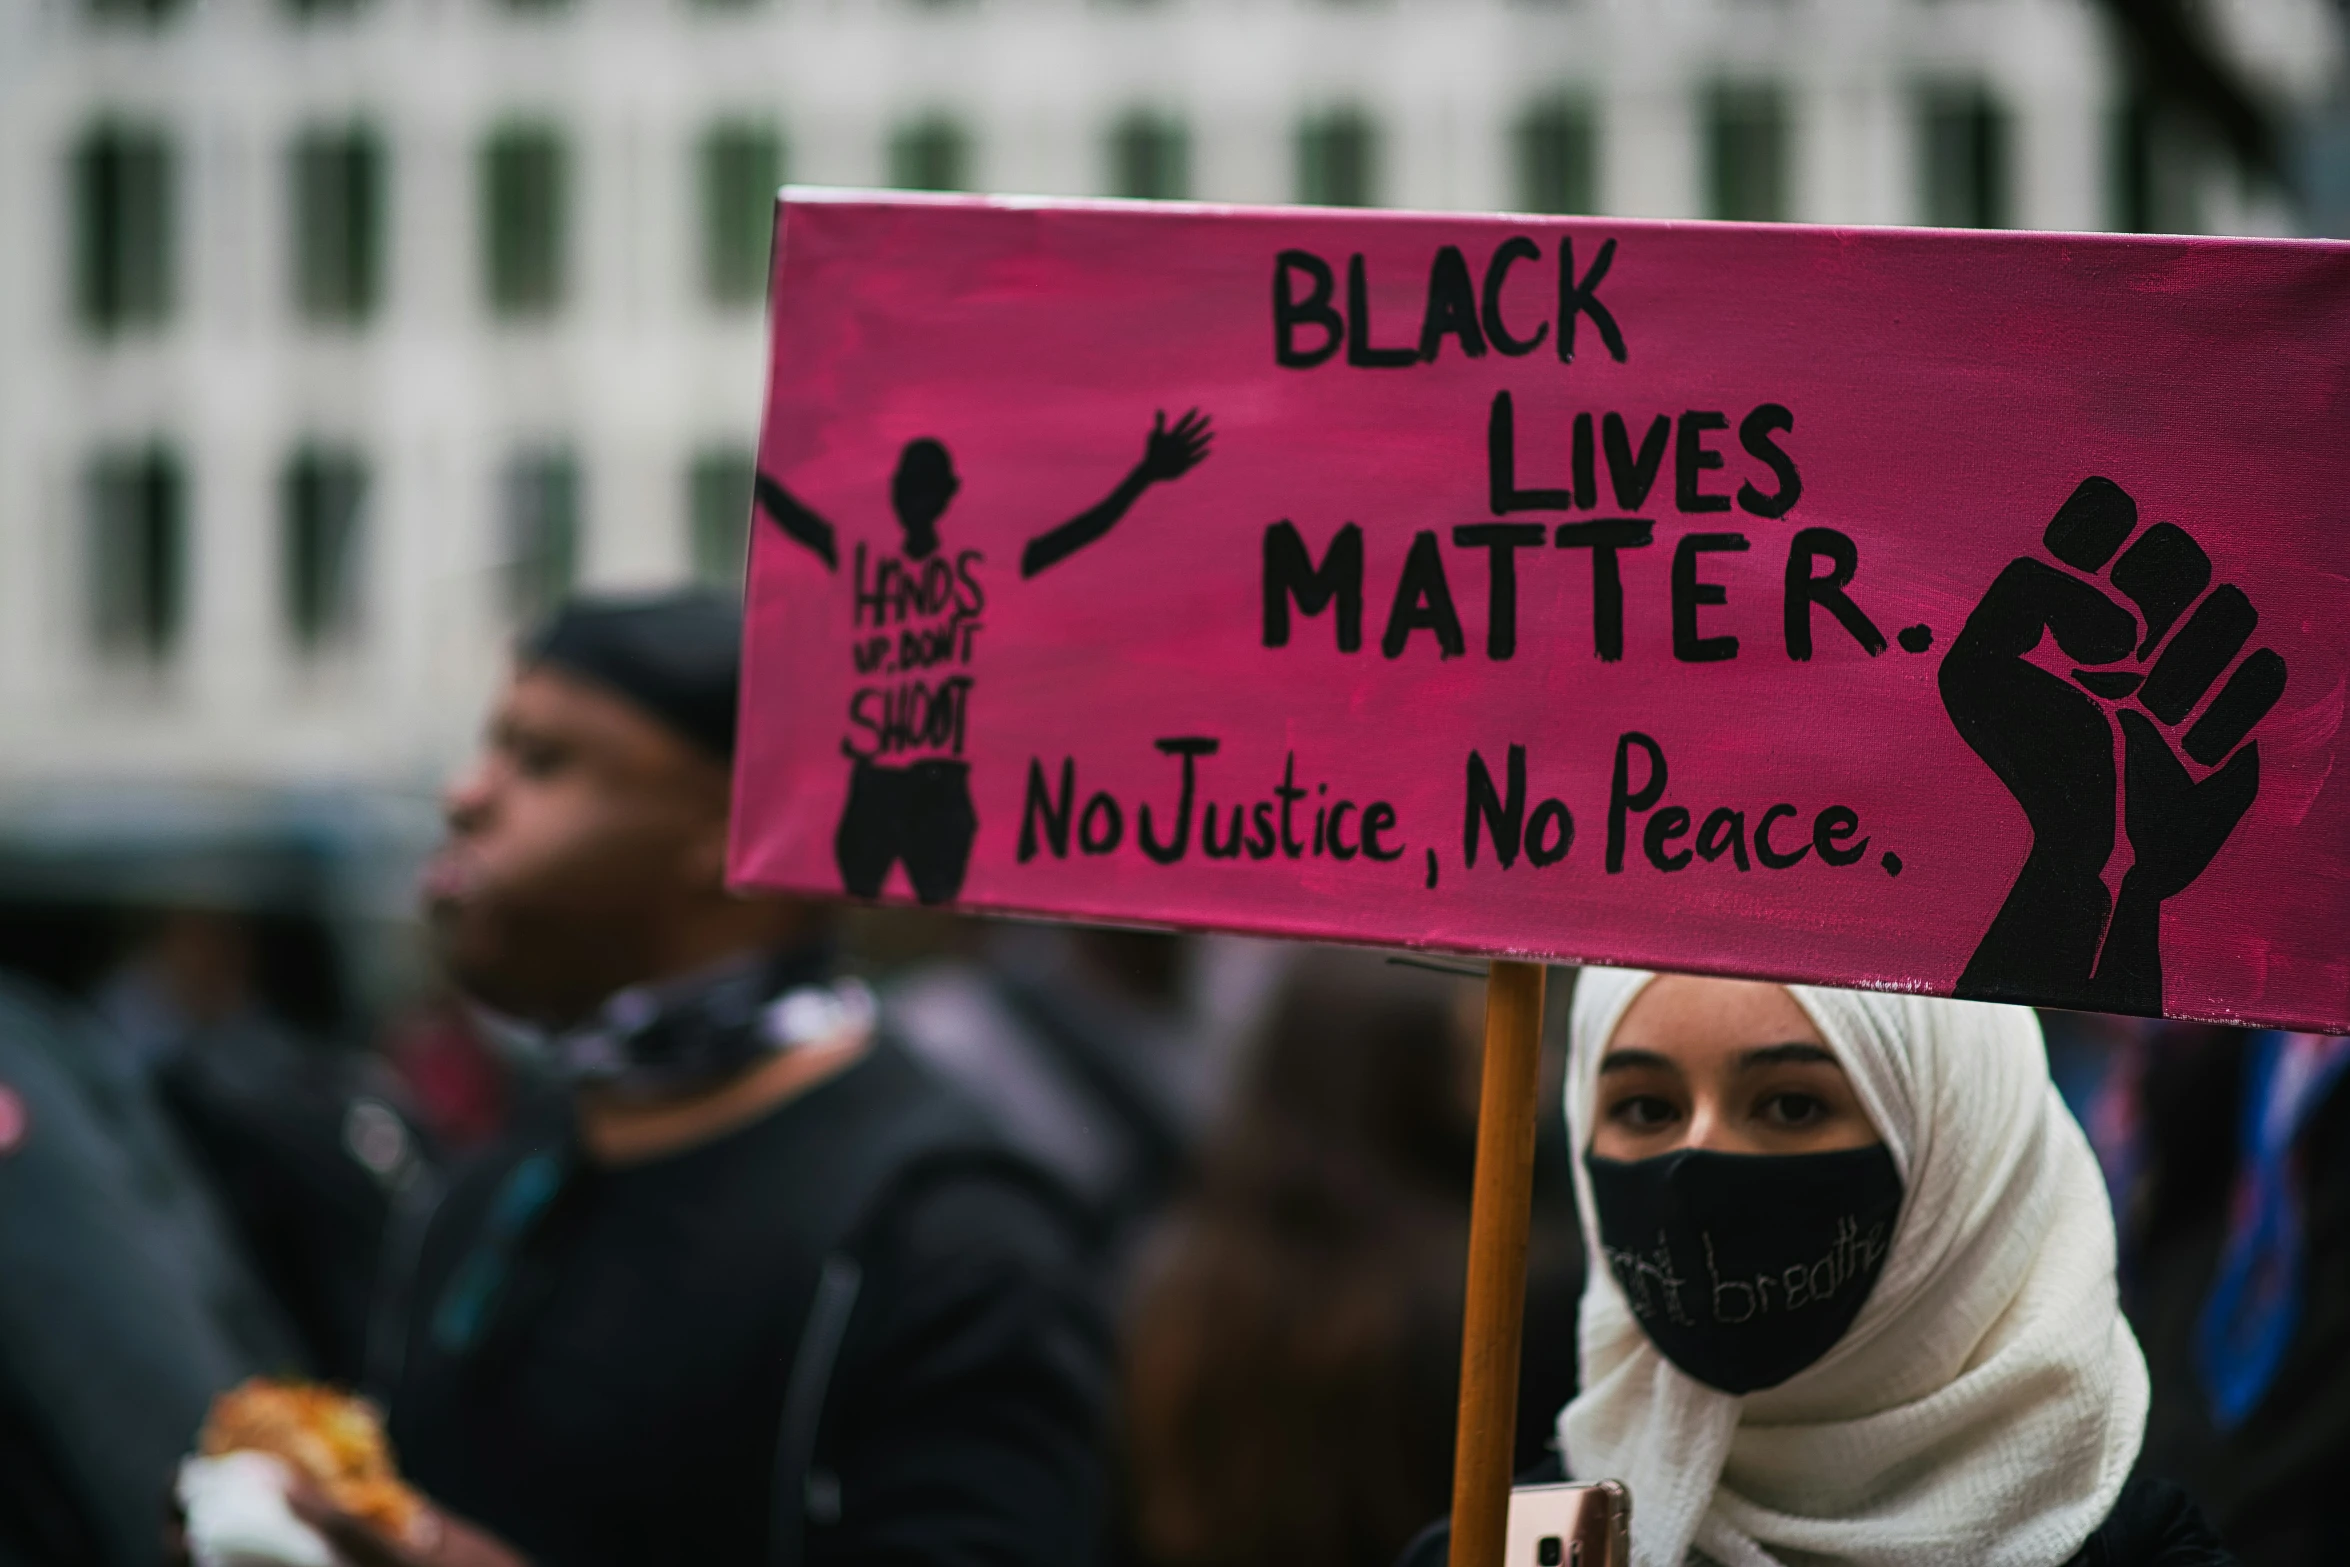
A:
1852,1292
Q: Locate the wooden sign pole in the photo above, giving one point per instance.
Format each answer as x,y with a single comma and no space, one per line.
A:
1501,1211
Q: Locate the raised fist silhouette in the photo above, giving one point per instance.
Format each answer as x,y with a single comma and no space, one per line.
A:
2143,673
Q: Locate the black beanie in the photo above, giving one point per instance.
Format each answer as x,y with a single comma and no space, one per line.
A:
676,655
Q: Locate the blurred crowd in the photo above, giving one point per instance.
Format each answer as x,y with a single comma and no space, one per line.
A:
1251,1162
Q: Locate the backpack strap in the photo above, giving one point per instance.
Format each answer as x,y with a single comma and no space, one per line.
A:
798,1491
837,1285
416,1200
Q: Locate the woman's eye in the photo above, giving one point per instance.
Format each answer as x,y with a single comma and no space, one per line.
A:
1644,1112
1794,1109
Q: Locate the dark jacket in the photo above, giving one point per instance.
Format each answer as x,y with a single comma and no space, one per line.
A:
599,1361
124,1303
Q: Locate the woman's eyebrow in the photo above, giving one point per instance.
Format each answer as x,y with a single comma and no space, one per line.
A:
1630,1060
1782,1055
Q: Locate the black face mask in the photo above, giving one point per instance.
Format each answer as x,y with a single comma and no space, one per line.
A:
1745,1268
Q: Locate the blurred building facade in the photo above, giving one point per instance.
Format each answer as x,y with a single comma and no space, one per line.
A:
338,336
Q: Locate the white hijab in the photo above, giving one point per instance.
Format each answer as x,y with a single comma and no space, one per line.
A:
1988,1402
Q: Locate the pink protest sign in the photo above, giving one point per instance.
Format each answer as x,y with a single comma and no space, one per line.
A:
1958,612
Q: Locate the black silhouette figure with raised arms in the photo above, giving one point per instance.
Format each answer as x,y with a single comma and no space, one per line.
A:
915,807
2061,937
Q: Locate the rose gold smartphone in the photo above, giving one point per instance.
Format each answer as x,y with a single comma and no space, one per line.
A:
1570,1526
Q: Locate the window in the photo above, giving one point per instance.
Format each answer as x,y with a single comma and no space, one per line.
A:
718,511
1746,150
338,178
1150,158
138,552
541,504
933,153
1962,158
321,10
142,12
741,167
1337,157
2160,161
123,227
524,178
322,504
1557,146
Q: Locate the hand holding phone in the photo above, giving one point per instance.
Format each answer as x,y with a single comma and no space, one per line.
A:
1570,1526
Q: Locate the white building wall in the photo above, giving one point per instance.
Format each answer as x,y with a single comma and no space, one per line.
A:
636,372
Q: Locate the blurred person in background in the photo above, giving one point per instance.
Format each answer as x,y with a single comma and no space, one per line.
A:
300,1139
125,1303
1293,1353
1100,1053
756,1287
2230,1158
2085,1051
1856,1297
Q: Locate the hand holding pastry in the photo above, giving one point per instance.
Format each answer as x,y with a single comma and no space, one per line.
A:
292,1474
